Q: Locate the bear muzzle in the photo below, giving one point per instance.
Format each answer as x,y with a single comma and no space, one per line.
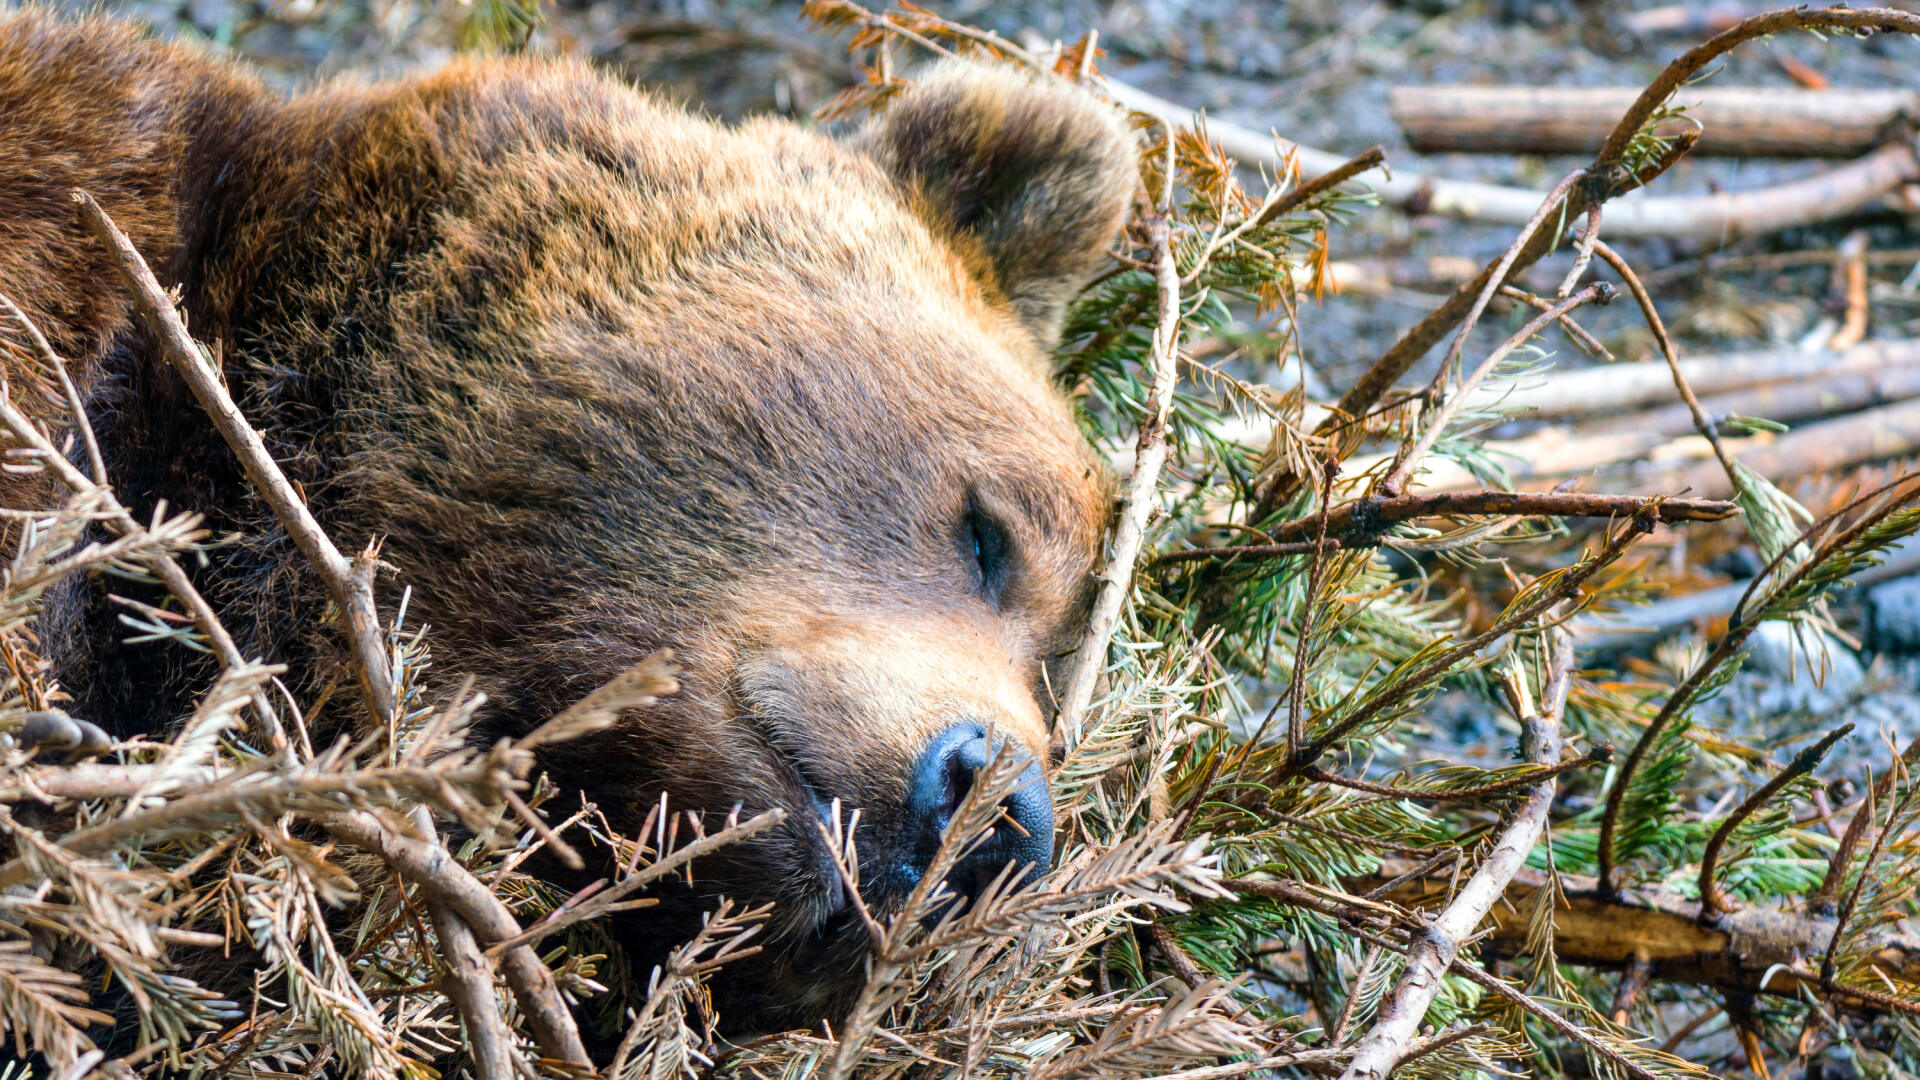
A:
1022,838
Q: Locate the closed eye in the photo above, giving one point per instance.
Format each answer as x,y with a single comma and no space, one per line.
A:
990,550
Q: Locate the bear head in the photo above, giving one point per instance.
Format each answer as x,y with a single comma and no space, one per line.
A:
607,378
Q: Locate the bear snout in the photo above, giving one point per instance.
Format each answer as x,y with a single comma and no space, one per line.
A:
941,781
896,722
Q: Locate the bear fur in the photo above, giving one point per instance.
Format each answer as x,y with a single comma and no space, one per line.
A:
604,377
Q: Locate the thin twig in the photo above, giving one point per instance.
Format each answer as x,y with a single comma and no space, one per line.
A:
1564,1026
1713,900
1564,588
1338,1036
1435,946
1574,330
1432,428
1150,457
602,902
1702,420
1599,755
75,406
1250,551
1310,189
349,582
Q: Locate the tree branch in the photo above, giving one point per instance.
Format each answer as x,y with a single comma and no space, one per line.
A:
348,582
1435,946
1129,536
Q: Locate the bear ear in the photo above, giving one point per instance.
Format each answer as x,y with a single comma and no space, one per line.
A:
1034,175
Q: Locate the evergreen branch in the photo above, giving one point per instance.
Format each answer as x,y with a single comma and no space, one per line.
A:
1434,947
1884,501
44,1006
1599,755
1713,899
1524,610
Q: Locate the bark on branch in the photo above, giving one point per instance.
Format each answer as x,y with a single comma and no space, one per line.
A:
1371,515
1434,947
349,582
1734,121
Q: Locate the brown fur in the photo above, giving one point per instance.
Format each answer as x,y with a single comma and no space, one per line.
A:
606,377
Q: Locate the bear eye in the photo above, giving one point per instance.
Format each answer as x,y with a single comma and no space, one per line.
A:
986,541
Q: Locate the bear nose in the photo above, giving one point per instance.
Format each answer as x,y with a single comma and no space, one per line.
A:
940,782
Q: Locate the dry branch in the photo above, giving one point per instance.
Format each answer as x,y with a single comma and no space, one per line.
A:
433,868
1129,537
1370,514
1718,218
1891,431
1666,435
350,583
1734,121
469,981
1434,948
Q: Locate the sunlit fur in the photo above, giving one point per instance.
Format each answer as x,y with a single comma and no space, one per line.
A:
605,377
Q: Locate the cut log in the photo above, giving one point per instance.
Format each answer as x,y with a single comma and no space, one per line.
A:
1890,431
1716,218
1737,121
1614,387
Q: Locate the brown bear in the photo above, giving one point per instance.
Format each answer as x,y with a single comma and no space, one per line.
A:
608,377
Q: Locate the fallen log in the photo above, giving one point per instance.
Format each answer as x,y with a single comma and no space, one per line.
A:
1756,949
1890,431
1787,402
1735,121
1613,387
1714,218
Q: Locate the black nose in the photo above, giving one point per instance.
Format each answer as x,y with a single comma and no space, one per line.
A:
940,782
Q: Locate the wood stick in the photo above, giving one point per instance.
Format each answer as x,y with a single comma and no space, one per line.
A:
350,583
1716,218
1736,121
1890,431
1600,389
1434,947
